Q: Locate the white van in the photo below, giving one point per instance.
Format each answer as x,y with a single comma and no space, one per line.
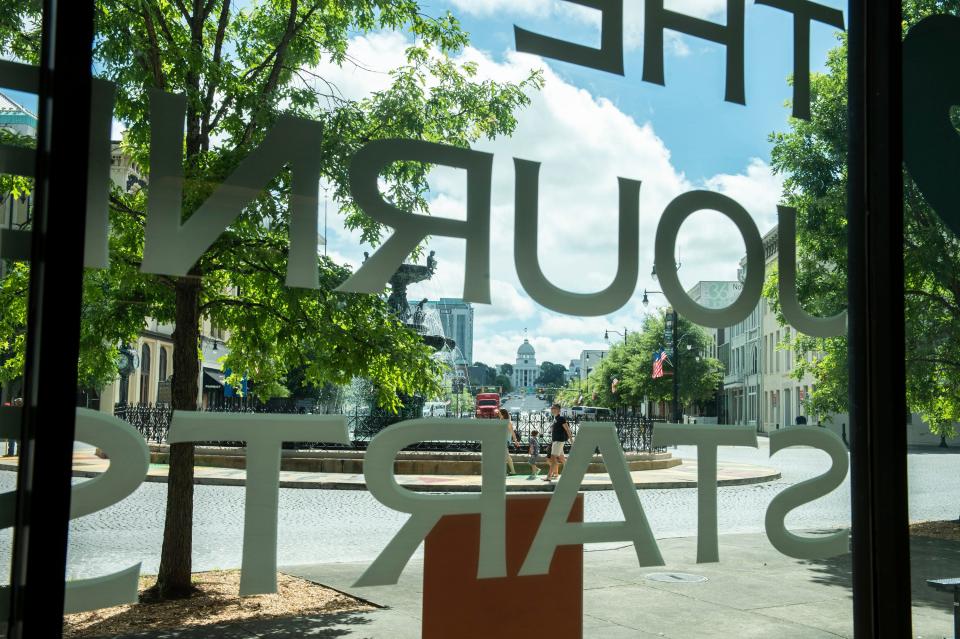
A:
594,413
435,409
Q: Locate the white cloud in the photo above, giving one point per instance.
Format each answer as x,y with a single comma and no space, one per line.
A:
371,58
758,189
633,15
584,144
485,8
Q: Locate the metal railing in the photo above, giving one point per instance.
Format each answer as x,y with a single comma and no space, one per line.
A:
153,422
634,433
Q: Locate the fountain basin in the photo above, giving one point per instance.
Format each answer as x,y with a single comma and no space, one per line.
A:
406,463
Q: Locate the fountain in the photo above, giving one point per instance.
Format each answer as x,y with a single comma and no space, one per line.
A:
425,322
406,275
366,419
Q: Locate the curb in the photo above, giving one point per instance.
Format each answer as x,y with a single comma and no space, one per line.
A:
535,486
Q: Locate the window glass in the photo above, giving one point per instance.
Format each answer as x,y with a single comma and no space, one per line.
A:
327,220
931,257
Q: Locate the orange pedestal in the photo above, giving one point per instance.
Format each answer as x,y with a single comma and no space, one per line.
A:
458,605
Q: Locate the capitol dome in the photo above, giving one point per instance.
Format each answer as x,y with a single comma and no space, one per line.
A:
526,349
525,371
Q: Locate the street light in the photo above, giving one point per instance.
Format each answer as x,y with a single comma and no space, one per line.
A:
653,271
646,300
606,334
676,369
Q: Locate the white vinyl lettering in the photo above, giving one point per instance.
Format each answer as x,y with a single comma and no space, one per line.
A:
264,435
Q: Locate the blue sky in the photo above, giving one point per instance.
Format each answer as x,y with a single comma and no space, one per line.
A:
705,135
587,128
703,142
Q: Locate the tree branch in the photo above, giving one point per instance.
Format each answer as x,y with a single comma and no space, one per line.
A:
279,57
120,205
935,360
233,301
212,83
154,53
183,11
937,298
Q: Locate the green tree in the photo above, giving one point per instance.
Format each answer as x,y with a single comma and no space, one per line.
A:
487,377
241,66
506,369
551,375
812,156
631,364
503,382
569,394
461,400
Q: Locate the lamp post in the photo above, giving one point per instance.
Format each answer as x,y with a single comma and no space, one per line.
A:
676,368
606,334
671,322
624,334
646,300
653,271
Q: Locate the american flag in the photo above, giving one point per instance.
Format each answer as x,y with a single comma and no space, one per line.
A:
658,359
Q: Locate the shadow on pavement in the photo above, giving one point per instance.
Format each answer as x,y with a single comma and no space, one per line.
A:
320,627
929,559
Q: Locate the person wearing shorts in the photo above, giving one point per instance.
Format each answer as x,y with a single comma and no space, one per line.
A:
561,434
534,451
511,439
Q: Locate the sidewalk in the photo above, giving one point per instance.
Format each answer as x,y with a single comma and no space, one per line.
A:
754,592
86,464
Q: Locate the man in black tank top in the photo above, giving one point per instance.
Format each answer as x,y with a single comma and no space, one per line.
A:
561,434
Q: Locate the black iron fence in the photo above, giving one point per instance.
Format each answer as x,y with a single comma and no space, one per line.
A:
634,432
153,422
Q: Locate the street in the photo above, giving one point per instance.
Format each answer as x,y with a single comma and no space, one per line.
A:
318,526
523,403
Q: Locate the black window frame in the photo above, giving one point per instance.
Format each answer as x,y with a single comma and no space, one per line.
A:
880,542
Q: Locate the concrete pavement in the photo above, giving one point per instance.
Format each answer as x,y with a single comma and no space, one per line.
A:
754,592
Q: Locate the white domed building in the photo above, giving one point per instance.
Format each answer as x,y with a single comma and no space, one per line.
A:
526,370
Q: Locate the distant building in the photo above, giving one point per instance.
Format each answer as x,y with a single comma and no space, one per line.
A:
456,321
759,387
15,212
715,295
15,118
589,360
525,371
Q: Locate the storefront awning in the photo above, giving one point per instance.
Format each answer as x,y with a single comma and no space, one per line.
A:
212,379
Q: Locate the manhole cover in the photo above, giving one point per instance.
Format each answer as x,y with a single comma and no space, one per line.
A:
675,577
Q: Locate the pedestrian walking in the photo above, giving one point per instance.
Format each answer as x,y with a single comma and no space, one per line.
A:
511,439
12,443
561,434
534,451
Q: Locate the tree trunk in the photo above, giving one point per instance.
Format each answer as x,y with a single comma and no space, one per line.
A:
174,580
